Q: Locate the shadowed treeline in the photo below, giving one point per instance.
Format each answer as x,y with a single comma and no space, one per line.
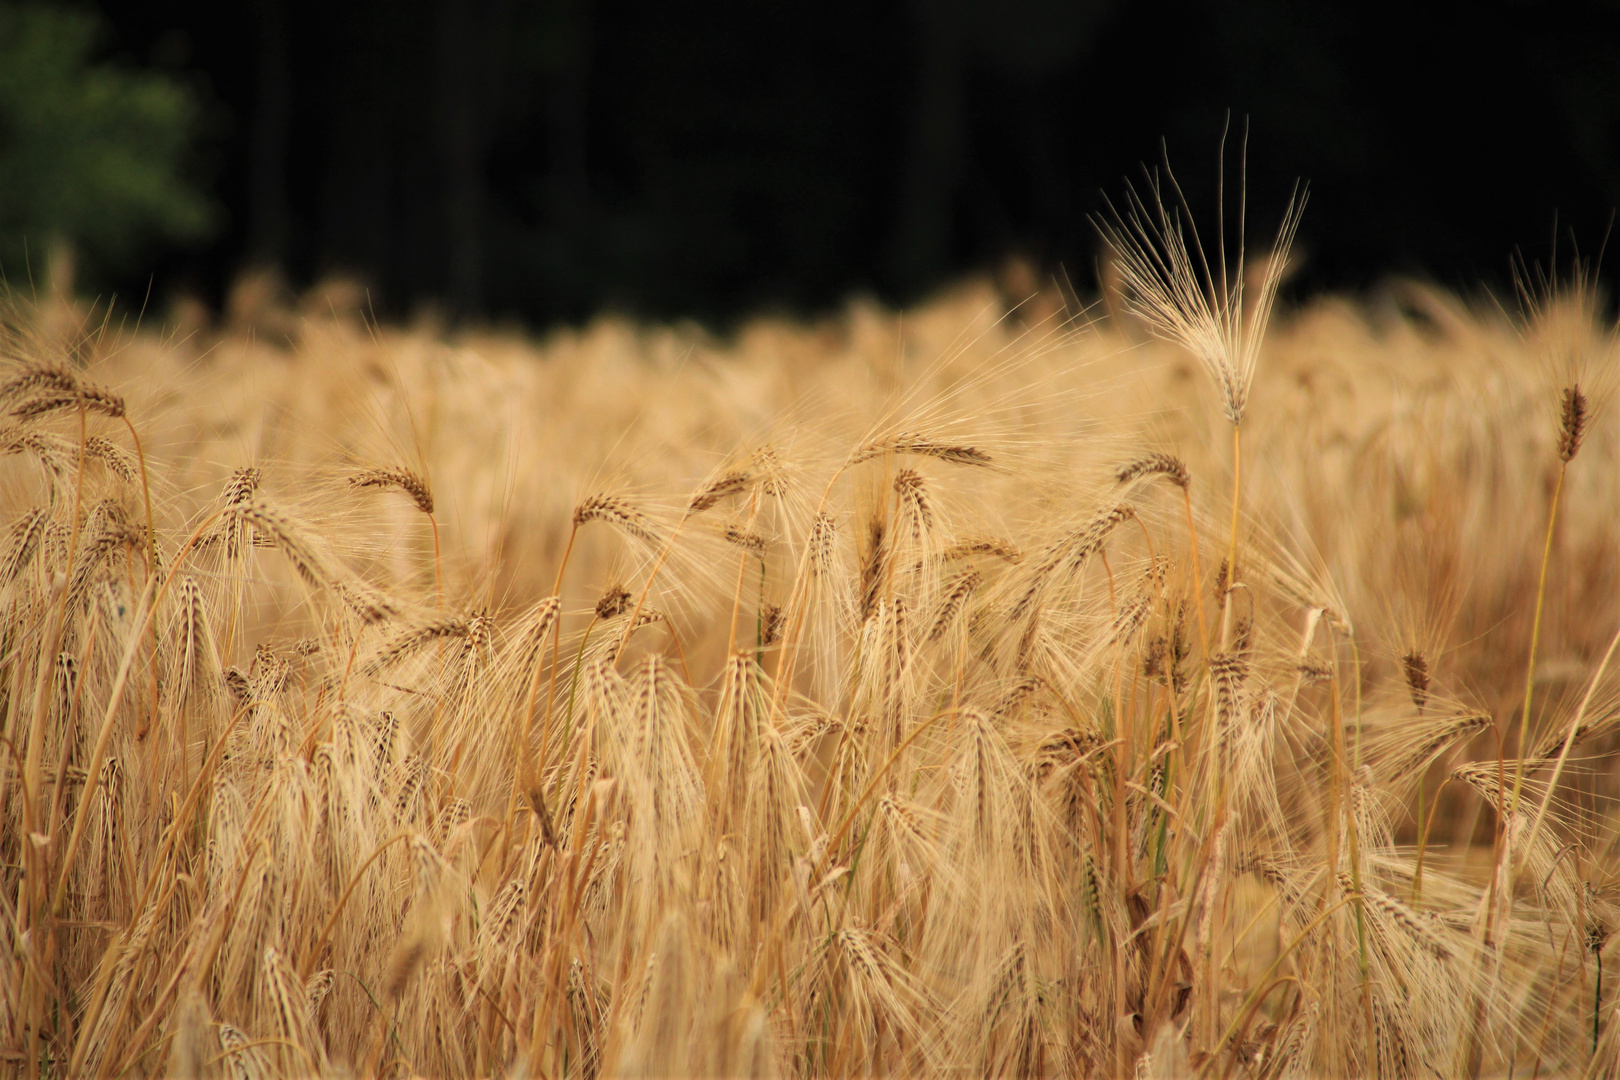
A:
546,160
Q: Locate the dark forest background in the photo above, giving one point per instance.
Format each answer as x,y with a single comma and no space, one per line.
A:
545,159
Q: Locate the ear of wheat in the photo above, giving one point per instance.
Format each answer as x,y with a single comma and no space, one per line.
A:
404,480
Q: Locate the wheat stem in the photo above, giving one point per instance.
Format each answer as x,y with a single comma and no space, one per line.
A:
1535,639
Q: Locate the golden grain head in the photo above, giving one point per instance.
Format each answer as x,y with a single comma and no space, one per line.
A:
1572,423
412,485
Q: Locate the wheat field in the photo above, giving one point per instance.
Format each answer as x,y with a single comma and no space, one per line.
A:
904,693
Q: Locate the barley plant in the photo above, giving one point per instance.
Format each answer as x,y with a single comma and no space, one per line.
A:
954,694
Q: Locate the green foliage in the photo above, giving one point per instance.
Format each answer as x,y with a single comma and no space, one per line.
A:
90,153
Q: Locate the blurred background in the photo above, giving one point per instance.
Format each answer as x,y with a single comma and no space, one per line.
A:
543,160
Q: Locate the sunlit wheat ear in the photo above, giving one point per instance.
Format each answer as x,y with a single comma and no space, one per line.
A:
823,535
1068,554
954,601
120,462
731,483
972,546
1134,612
414,486
198,672
105,534
661,752
1010,1009
1591,727
37,378
1573,420
1415,667
244,1058
22,542
368,603
914,539
1402,752
879,993
52,396
242,485
736,732
1169,284
923,446
885,687
751,542
776,788
875,556
291,538
408,641
1227,671
533,630
916,509
135,941
1426,932
773,620
316,989
1296,1045
909,835
54,453
1171,468
770,472
291,1005
1252,780
425,926
1394,1049
618,512
827,597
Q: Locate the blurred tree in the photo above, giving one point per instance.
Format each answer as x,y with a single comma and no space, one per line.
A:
90,153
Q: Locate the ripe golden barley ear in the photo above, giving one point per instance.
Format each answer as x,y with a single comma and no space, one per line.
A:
955,599
923,446
120,462
410,640
1572,425
241,485
823,533
1168,283
774,619
992,546
290,538
1168,466
1314,669
22,542
34,377
613,603
912,490
369,604
618,512
403,479
244,1057
96,399
748,541
732,483
874,560
53,452
1415,666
